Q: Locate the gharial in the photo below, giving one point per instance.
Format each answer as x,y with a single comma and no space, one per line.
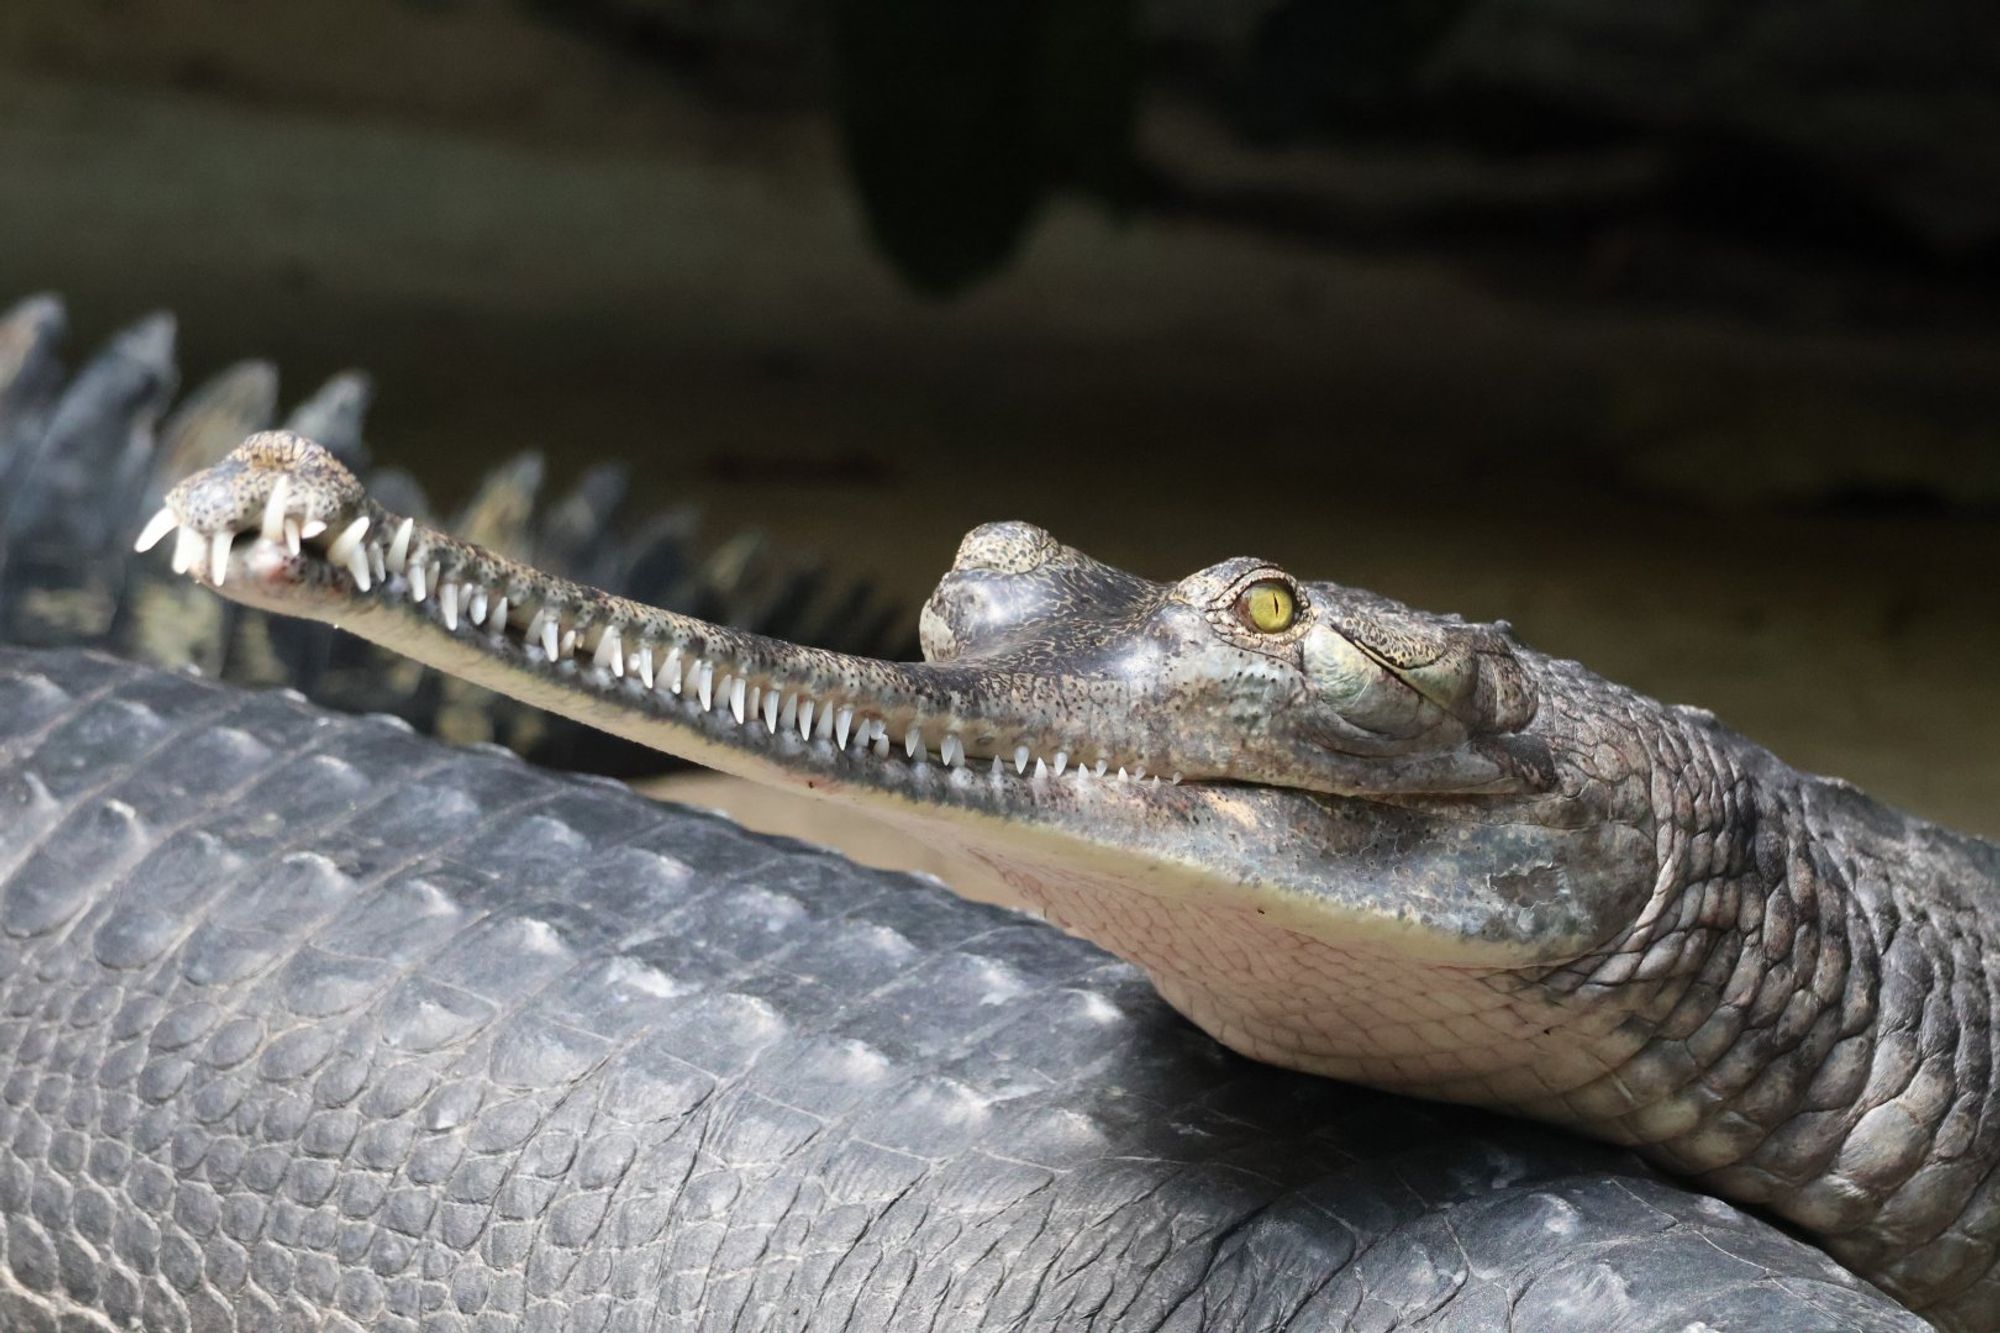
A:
1338,834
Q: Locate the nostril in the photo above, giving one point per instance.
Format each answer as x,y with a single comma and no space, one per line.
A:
1006,548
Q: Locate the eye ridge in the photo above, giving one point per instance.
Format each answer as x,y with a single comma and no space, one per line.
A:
1269,605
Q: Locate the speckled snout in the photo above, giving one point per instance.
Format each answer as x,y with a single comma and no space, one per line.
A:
288,488
237,491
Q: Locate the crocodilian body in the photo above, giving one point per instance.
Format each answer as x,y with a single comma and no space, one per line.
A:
1339,834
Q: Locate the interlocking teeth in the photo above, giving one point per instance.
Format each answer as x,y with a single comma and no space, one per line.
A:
346,550
158,526
189,550
399,546
610,654
273,527
662,666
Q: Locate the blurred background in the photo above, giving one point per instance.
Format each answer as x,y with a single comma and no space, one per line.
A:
1669,333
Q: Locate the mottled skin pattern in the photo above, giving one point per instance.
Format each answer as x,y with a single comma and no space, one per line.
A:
307,1022
1406,850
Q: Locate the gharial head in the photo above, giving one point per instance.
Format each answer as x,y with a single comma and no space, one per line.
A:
1342,765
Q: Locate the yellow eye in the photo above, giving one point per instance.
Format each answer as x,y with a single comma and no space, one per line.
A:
1268,606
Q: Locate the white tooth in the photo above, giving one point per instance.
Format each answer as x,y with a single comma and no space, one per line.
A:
645,663
1062,761
568,644
788,716
476,611
705,686
1082,772
1100,768
273,526
357,565
913,741
1121,774
158,526
610,654
881,744
739,699
1175,780
292,535
313,528
349,540
399,545
1155,779
218,555
996,765
671,671
773,710
497,617
534,631
842,720
823,723
417,589
375,563
1139,773
188,549
551,636
1020,759
805,720
952,750
1041,769
448,605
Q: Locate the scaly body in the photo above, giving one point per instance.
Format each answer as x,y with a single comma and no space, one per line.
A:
1391,847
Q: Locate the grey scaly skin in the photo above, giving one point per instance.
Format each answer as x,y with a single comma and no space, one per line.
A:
307,1022
1393,847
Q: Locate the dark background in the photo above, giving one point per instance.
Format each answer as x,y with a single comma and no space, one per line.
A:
1670,336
